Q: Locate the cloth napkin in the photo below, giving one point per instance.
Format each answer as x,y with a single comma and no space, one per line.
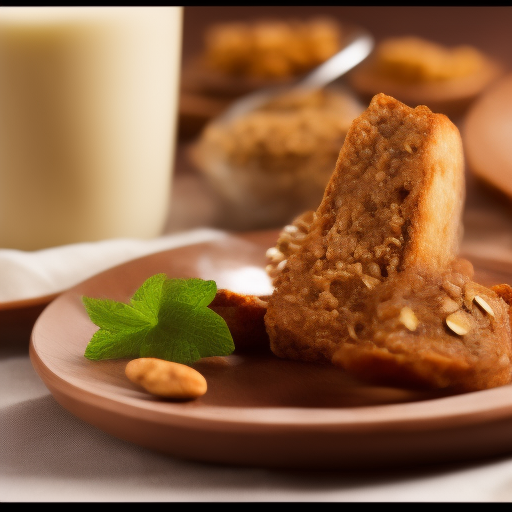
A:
31,274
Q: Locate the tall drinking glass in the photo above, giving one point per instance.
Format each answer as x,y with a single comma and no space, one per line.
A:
88,113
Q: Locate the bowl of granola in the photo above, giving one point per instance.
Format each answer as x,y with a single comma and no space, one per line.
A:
272,163
240,57
423,72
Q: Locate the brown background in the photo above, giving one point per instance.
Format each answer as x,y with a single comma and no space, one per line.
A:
488,213
489,28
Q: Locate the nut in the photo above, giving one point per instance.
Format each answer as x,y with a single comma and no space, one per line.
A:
281,265
408,318
471,290
369,281
448,305
165,378
291,229
458,323
352,332
481,302
274,254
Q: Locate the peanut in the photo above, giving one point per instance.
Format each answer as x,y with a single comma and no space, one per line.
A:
165,378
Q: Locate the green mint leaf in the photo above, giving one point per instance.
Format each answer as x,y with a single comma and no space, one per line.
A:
166,318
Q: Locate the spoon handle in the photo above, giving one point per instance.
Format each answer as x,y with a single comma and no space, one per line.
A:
357,50
354,53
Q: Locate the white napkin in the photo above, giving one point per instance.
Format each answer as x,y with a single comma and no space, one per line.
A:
27,275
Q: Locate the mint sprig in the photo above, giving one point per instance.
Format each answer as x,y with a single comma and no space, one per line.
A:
166,318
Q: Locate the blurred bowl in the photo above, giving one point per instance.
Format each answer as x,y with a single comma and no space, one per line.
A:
487,134
420,72
242,57
272,164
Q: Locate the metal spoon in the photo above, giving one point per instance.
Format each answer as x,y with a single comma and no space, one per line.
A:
360,45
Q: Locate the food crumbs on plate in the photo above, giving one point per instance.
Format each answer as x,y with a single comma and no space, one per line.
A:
166,379
214,360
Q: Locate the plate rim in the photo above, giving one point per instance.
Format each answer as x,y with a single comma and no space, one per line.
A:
40,300
75,292
474,409
426,422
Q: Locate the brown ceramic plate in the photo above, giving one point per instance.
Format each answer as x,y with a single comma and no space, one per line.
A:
260,410
487,132
17,317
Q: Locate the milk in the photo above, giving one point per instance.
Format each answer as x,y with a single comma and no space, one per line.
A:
88,114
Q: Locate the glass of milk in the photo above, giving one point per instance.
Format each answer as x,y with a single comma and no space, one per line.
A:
88,114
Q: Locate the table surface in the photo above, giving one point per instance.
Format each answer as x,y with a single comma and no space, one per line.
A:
46,454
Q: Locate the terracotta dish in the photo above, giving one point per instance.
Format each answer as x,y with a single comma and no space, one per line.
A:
450,96
17,317
487,133
260,410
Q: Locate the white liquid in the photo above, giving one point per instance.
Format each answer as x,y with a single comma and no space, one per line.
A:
88,112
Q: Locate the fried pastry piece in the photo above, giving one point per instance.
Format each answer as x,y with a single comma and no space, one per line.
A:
431,330
361,281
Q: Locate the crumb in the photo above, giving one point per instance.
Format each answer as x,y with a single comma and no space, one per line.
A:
244,315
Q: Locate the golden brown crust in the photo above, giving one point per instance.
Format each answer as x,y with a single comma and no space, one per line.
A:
244,315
